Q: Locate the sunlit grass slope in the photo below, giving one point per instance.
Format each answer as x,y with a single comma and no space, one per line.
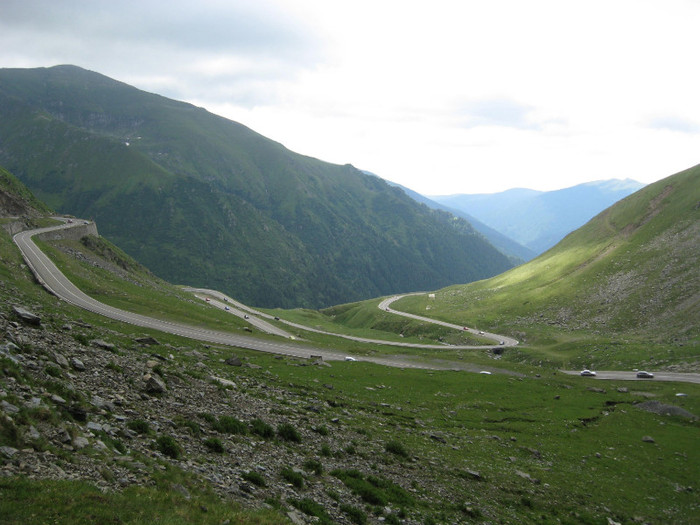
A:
631,274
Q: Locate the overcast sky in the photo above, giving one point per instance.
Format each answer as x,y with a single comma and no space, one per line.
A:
441,96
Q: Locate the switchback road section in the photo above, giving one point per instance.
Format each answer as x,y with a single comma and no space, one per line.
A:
51,278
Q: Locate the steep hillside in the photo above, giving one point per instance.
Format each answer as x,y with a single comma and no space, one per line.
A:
206,201
633,271
540,219
517,252
16,200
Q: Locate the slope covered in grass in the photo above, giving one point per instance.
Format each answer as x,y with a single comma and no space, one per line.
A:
631,274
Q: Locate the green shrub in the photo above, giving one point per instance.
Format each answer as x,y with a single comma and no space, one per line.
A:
392,519
311,508
322,430
230,425
81,338
209,418
9,433
354,514
113,366
53,371
373,490
255,478
326,451
293,477
187,423
139,426
288,433
314,466
397,448
168,446
214,444
262,429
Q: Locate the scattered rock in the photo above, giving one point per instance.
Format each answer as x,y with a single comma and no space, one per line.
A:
58,399
224,382
80,442
596,390
77,364
26,316
103,344
8,452
148,341
60,360
648,439
8,408
154,385
234,361
527,476
665,410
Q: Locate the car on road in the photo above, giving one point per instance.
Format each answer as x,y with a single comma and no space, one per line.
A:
226,308
589,373
348,358
245,316
206,299
485,372
645,375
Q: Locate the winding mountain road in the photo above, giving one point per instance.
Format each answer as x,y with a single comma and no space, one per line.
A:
499,339
51,278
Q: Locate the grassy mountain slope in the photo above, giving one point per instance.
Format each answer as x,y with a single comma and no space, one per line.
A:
631,274
206,201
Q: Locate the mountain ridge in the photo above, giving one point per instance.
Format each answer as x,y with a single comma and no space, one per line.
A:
206,201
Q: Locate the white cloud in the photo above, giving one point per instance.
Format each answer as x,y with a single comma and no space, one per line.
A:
441,96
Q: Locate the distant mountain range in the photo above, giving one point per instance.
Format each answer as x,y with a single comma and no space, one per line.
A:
205,201
534,219
515,251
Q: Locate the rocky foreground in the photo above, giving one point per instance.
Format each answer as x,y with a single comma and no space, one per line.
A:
82,407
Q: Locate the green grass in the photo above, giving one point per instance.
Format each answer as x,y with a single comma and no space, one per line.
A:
584,445
25,502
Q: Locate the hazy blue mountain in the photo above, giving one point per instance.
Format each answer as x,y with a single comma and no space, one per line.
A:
206,201
515,251
540,219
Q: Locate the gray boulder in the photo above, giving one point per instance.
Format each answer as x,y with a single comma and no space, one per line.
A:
26,316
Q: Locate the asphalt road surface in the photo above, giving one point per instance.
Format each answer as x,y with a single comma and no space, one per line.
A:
498,339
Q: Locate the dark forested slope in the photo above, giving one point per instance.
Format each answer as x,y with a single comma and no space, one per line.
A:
202,200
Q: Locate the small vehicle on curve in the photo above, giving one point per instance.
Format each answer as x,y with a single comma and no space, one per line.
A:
589,373
645,375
